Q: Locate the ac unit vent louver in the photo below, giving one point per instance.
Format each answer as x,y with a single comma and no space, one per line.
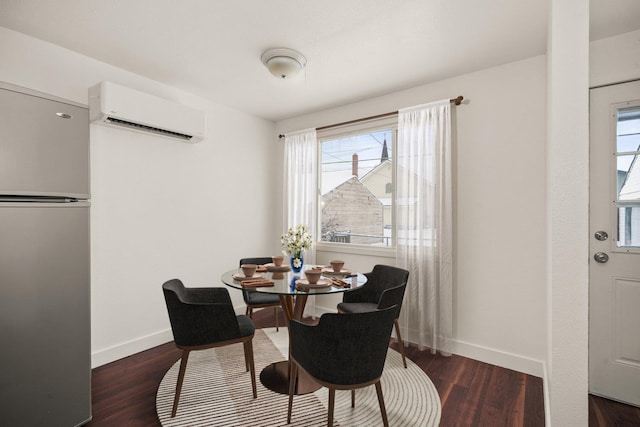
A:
114,105
145,128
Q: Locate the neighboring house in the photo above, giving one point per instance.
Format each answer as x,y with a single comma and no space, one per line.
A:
378,181
358,221
368,211
630,188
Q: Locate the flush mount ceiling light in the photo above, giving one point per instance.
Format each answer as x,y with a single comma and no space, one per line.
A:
283,63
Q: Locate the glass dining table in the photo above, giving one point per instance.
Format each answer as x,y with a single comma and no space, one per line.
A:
293,291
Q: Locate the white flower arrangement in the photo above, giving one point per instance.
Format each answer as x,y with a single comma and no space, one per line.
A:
296,240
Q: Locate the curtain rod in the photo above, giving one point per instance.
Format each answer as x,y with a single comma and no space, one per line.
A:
457,101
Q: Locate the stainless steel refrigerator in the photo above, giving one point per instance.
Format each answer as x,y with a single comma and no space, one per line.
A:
45,359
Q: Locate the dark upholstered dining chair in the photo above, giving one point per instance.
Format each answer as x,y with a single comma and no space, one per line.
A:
203,318
259,299
384,288
342,352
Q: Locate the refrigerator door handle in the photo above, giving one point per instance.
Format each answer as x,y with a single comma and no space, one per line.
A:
37,199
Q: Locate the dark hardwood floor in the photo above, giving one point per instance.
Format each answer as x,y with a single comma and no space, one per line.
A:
604,413
472,393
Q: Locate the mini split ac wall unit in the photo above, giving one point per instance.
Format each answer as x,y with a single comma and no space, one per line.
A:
114,105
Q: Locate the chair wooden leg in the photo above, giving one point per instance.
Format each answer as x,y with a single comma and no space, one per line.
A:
353,398
293,373
400,343
248,360
383,411
250,312
247,312
275,312
332,398
246,357
183,368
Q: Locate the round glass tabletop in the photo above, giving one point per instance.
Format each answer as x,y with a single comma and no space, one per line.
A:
290,283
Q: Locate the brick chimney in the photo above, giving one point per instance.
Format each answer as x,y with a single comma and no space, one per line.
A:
354,165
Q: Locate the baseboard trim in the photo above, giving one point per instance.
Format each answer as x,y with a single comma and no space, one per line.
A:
500,358
116,352
545,389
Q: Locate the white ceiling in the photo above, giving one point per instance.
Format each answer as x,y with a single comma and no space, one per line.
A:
355,49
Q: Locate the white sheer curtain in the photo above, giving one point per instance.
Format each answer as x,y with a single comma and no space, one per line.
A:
301,190
424,223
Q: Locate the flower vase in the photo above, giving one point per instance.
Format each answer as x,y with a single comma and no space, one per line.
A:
297,262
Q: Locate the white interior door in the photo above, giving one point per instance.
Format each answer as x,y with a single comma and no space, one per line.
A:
614,225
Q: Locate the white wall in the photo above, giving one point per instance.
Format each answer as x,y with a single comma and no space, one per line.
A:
499,294
160,209
614,59
568,213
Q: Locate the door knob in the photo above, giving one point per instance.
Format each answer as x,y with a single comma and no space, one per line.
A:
601,257
601,235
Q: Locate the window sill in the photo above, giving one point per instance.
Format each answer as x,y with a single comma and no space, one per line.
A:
342,248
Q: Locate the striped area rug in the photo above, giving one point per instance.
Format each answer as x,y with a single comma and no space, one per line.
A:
217,392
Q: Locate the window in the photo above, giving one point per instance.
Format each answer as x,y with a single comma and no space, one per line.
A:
628,177
357,184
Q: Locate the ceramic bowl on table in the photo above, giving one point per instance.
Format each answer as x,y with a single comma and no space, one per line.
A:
278,260
337,265
312,275
248,269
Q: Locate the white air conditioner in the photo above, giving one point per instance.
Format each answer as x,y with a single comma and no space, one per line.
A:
115,105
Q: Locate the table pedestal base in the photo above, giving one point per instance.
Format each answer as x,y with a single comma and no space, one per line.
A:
275,377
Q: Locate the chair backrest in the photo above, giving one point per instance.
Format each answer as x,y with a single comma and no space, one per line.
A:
255,260
343,349
384,277
199,316
381,278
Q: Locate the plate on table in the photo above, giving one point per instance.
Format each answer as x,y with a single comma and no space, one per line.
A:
328,271
305,285
280,269
241,276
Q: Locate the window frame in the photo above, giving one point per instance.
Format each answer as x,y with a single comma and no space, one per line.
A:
343,131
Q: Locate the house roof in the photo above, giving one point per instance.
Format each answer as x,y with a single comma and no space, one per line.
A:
331,180
373,171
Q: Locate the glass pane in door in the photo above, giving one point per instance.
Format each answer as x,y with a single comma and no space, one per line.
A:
628,177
